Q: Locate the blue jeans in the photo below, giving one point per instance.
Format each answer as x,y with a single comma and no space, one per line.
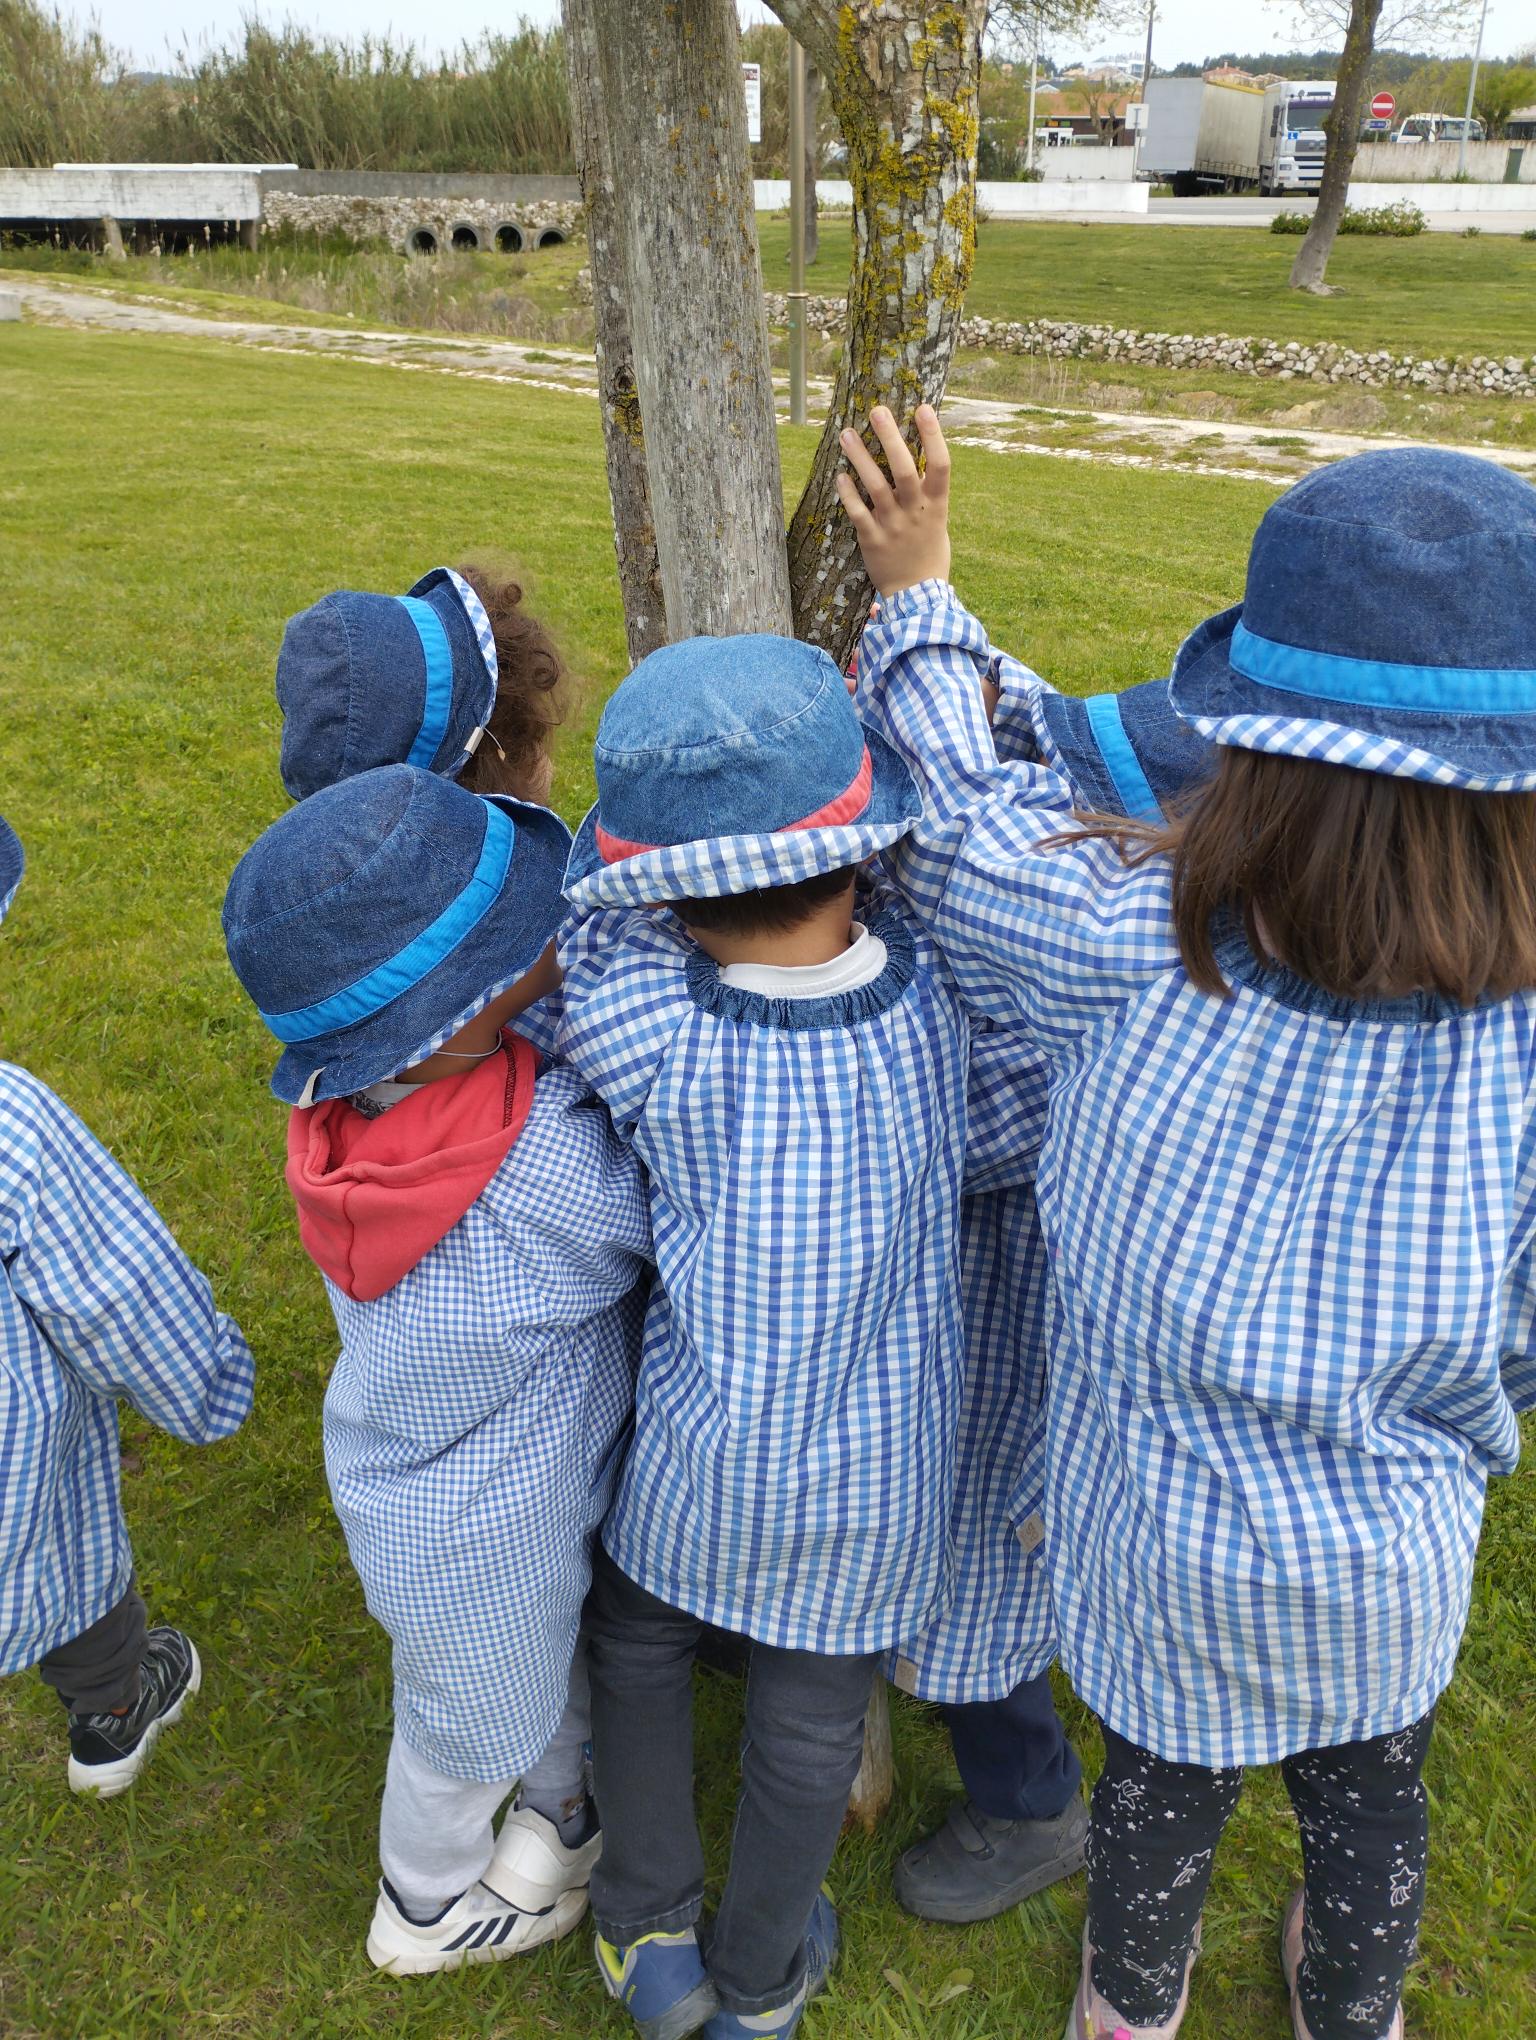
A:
800,1754
1014,1757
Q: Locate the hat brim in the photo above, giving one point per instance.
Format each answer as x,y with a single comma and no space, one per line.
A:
1128,753
504,944
13,862
472,705
718,865
1480,753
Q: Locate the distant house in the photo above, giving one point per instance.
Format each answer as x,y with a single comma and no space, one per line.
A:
1521,125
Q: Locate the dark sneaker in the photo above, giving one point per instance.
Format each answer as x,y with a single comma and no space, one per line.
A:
976,1867
108,1751
823,1939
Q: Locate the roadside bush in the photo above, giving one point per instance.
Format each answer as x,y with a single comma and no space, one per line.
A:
1398,220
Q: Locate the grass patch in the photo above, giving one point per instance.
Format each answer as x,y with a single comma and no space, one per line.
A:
524,297
1434,295
229,1893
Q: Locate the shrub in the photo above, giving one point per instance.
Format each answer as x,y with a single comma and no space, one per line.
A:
1529,234
1470,233
1400,219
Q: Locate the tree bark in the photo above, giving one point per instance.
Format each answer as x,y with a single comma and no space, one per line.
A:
904,77
1310,269
634,529
676,122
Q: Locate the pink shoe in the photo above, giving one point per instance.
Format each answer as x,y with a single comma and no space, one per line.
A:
1291,1949
1091,2018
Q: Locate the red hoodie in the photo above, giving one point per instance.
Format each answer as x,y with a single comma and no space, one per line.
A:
376,1195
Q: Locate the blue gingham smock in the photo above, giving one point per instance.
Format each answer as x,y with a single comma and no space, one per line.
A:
1291,1237
97,1303
792,1472
472,1427
1000,1628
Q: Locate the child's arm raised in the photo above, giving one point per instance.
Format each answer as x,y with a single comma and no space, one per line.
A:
1042,939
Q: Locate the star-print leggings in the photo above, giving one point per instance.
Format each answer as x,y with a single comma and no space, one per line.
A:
1364,1834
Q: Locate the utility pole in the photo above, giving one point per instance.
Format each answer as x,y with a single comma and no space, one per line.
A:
1477,58
1034,79
796,233
1146,62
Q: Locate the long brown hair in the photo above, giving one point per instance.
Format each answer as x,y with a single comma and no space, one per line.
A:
1366,885
531,692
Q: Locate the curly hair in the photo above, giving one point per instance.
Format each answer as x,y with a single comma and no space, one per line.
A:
532,692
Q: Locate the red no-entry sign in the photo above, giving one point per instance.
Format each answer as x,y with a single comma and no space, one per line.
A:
1383,106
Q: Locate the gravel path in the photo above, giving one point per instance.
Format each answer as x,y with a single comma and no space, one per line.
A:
1264,453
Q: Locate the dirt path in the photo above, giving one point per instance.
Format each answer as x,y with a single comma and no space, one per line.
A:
1107,438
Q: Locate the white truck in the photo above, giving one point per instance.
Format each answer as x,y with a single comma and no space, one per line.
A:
1291,138
1201,136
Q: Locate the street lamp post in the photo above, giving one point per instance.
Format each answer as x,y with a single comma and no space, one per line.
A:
1477,58
796,234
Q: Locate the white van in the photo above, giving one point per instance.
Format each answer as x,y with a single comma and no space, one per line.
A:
1439,127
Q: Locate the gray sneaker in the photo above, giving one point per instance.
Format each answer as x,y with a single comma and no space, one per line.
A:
976,1867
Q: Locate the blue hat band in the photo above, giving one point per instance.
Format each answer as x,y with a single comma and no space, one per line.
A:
438,654
1377,683
402,972
1119,754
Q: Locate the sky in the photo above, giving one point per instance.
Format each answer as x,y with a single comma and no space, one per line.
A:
1187,30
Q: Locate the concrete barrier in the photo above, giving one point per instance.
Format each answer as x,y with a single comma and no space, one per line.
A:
1003,198
1093,162
10,306
223,192
1448,198
1432,162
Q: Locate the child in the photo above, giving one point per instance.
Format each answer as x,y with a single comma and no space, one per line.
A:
1288,1181
794,1081
480,1231
97,1303
456,677
1022,1824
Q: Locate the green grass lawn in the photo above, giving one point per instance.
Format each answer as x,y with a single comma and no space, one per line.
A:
1434,294
164,505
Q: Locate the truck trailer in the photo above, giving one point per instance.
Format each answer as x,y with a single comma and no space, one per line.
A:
1202,136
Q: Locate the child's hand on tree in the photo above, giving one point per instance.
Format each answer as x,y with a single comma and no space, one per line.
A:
903,529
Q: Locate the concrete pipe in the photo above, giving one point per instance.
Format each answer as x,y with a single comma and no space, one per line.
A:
421,241
550,237
464,237
509,238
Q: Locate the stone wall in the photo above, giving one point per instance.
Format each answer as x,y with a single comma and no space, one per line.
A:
1288,360
425,224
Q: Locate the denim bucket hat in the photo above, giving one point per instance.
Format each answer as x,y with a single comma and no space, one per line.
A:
372,921
12,864
1389,623
1127,753
367,680
725,765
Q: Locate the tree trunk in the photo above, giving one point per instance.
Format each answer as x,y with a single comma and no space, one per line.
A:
812,163
904,79
1310,269
677,129
634,531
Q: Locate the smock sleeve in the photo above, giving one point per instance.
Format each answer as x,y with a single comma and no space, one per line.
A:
624,996
95,1265
1045,940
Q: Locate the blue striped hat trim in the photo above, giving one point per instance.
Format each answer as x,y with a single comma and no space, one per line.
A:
405,970
1328,676
1119,754
438,654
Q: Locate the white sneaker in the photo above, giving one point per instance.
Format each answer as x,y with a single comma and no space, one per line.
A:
532,1867
480,1926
